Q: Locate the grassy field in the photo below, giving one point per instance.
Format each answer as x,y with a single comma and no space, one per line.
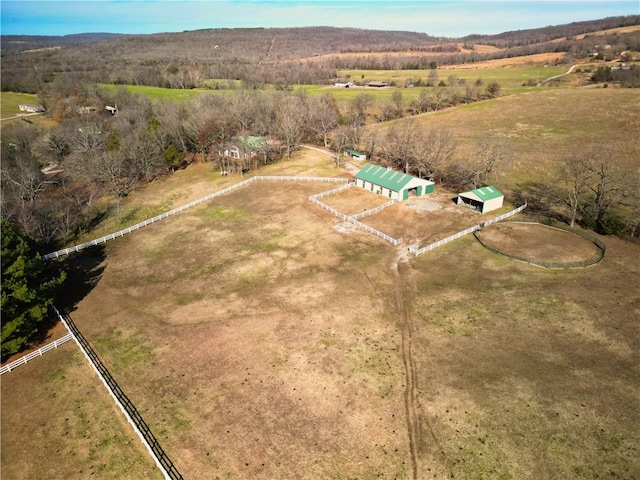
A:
261,341
59,422
542,127
507,77
9,107
157,93
510,79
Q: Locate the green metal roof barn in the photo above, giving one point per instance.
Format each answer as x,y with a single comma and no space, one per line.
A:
484,199
391,183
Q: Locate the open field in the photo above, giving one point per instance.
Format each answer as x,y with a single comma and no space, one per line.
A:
510,79
58,422
542,127
157,93
10,101
259,341
507,77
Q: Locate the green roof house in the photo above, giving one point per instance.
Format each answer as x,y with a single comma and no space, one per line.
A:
391,183
484,199
246,147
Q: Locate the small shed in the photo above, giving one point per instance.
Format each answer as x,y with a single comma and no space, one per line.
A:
484,199
350,152
391,183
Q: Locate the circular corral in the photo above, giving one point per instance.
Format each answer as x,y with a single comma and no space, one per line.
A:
541,245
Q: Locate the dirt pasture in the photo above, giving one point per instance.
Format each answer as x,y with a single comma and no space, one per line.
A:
258,341
538,242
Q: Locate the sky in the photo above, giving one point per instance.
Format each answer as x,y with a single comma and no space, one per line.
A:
442,18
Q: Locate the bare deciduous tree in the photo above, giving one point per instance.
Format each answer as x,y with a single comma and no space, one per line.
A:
490,152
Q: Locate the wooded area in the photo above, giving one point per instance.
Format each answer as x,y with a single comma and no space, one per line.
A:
275,56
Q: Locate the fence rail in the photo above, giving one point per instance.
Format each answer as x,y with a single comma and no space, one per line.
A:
360,225
373,211
162,216
419,251
127,407
37,353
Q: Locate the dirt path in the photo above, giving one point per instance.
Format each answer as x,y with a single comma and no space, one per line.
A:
410,402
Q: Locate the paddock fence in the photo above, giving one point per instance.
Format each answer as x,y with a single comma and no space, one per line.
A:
595,259
374,210
162,216
360,225
419,251
35,354
127,407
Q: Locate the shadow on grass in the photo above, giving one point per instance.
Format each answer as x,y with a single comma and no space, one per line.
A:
84,271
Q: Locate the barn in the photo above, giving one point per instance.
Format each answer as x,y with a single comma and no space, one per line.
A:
391,183
484,199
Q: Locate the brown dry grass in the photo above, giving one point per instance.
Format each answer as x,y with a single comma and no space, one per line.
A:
260,342
537,59
539,242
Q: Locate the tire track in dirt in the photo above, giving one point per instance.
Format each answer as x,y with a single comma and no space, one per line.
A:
410,401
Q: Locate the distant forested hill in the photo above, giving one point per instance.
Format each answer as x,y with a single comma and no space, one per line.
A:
20,43
278,56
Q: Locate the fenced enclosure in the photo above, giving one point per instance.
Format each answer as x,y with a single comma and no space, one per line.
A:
373,211
162,216
419,251
314,199
38,353
553,265
127,407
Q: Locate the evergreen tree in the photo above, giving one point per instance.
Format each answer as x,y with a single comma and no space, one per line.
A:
28,289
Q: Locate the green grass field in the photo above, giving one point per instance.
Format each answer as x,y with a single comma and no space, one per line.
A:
157,93
10,101
507,77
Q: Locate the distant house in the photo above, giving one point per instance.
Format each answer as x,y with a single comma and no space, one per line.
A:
391,183
87,109
246,147
31,108
377,84
350,152
483,199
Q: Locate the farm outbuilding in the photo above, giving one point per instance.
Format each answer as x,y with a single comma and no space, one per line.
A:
350,152
484,199
391,183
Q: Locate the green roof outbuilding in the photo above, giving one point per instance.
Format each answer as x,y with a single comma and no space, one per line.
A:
484,199
391,183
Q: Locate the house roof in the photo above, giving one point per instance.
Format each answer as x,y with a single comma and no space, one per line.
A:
384,176
483,194
251,142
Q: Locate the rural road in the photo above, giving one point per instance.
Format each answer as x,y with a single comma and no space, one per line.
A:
21,115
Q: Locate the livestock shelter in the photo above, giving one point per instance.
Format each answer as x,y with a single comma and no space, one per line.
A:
391,183
484,199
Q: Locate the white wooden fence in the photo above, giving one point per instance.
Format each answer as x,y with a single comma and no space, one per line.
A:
157,218
419,251
360,225
38,353
366,213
